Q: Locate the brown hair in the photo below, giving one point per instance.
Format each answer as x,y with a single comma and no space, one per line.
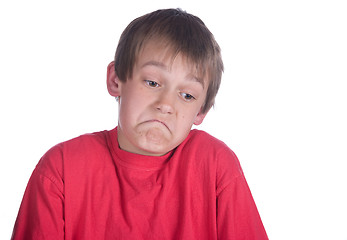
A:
185,33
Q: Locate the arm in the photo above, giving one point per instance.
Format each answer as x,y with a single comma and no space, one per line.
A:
237,214
41,215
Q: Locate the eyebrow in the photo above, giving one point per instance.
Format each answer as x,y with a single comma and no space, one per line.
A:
164,67
154,63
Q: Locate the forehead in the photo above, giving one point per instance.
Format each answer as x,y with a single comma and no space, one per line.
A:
161,54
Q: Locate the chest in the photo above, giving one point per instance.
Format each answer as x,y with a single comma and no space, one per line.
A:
119,201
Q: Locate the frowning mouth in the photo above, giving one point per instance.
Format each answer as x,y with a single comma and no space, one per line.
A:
160,122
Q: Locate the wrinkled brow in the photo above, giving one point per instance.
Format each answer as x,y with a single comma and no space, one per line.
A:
164,67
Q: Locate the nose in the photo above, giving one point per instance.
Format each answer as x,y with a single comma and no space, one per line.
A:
165,103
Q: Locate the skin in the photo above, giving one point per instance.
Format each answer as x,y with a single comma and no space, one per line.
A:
160,102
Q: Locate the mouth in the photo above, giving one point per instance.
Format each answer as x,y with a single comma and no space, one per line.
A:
160,122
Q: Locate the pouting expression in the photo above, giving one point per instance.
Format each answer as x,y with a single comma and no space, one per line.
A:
160,102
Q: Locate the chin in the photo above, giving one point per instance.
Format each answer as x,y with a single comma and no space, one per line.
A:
155,150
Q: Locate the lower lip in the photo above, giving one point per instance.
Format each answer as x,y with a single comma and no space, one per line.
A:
156,121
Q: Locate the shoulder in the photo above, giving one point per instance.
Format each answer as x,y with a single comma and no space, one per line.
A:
204,142
85,143
91,144
81,144
217,154
204,139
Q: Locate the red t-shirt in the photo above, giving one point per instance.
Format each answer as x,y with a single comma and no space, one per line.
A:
88,188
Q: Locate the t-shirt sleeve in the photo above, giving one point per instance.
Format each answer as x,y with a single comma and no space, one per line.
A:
237,214
41,214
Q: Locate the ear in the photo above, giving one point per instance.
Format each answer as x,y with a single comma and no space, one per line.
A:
199,118
113,82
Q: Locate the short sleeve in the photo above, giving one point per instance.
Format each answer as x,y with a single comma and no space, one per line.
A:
41,214
237,214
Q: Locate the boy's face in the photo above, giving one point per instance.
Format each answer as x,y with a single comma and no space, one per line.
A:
159,104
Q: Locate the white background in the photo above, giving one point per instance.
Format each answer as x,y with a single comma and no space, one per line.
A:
281,107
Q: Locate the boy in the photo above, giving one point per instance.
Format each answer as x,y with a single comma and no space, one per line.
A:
152,177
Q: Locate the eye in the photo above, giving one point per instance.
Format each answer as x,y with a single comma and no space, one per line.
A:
152,84
187,96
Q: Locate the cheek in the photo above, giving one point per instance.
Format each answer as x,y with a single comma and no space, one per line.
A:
131,106
186,120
